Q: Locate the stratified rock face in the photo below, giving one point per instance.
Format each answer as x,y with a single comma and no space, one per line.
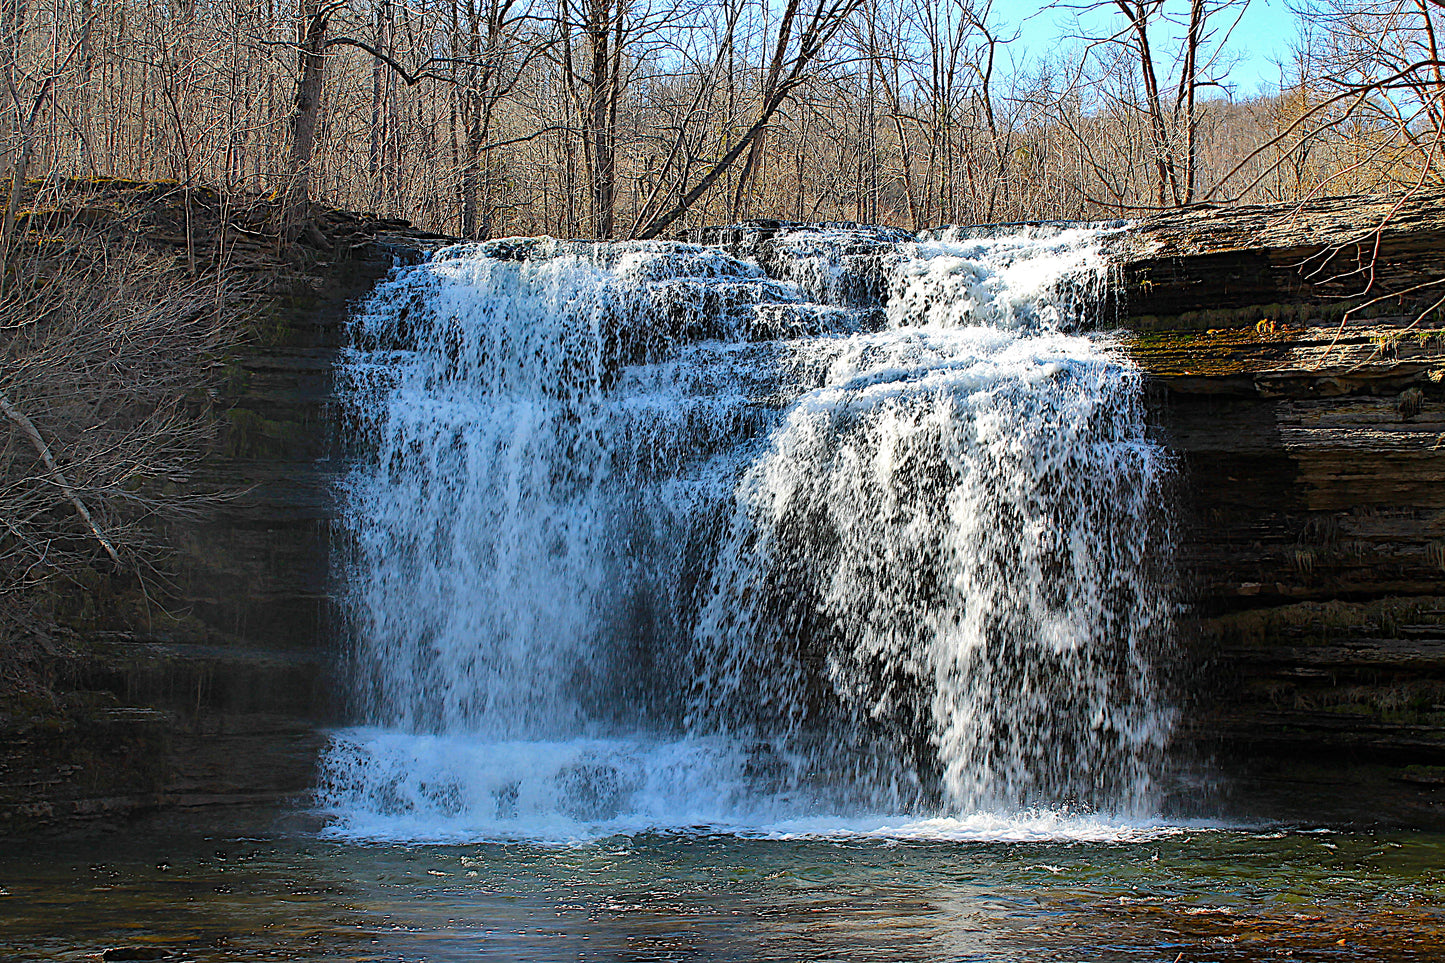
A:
1312,455
212,693
1196,268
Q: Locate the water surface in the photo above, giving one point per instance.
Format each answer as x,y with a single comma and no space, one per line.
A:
263,890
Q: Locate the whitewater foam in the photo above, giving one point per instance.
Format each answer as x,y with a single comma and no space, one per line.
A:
386,786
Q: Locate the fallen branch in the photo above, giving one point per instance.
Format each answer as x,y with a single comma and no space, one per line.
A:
21,420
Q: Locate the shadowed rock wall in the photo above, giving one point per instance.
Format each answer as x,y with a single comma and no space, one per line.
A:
1312,485
209,687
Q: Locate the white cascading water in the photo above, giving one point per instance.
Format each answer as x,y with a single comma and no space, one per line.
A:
640,537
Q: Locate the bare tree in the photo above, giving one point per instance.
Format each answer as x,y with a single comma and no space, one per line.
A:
313,19
1151,69
26,94
497,41
637,117
801,37
106,355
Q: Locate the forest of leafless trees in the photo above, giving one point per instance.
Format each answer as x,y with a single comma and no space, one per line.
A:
636,118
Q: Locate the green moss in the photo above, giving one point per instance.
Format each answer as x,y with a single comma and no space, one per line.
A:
1430,339
1425,774
1415,702
1349,709
234,379
1217,352
1205,319
98,182
1283,314
271,326
1320,622
273,321
246,429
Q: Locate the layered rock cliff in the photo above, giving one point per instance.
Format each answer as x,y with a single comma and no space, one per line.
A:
1296,358
208,687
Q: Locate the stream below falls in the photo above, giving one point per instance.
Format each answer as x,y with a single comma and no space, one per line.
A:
253,891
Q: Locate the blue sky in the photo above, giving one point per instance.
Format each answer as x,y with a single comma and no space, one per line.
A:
1262,38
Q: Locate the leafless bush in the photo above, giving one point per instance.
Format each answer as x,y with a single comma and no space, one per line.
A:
109,367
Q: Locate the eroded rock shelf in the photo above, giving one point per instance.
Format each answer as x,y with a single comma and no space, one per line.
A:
1295,360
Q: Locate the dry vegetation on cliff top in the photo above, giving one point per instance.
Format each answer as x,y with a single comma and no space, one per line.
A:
623,118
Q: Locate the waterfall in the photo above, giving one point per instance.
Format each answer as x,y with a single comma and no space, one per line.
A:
822,527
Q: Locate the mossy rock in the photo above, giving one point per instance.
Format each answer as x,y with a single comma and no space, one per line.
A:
1422,775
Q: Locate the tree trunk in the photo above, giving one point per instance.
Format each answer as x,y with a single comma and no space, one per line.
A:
313,18
21,134
604,89
770,87
378,92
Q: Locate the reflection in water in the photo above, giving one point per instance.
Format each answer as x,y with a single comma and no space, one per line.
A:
1205,894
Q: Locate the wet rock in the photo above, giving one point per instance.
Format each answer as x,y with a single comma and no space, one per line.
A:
1311,472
